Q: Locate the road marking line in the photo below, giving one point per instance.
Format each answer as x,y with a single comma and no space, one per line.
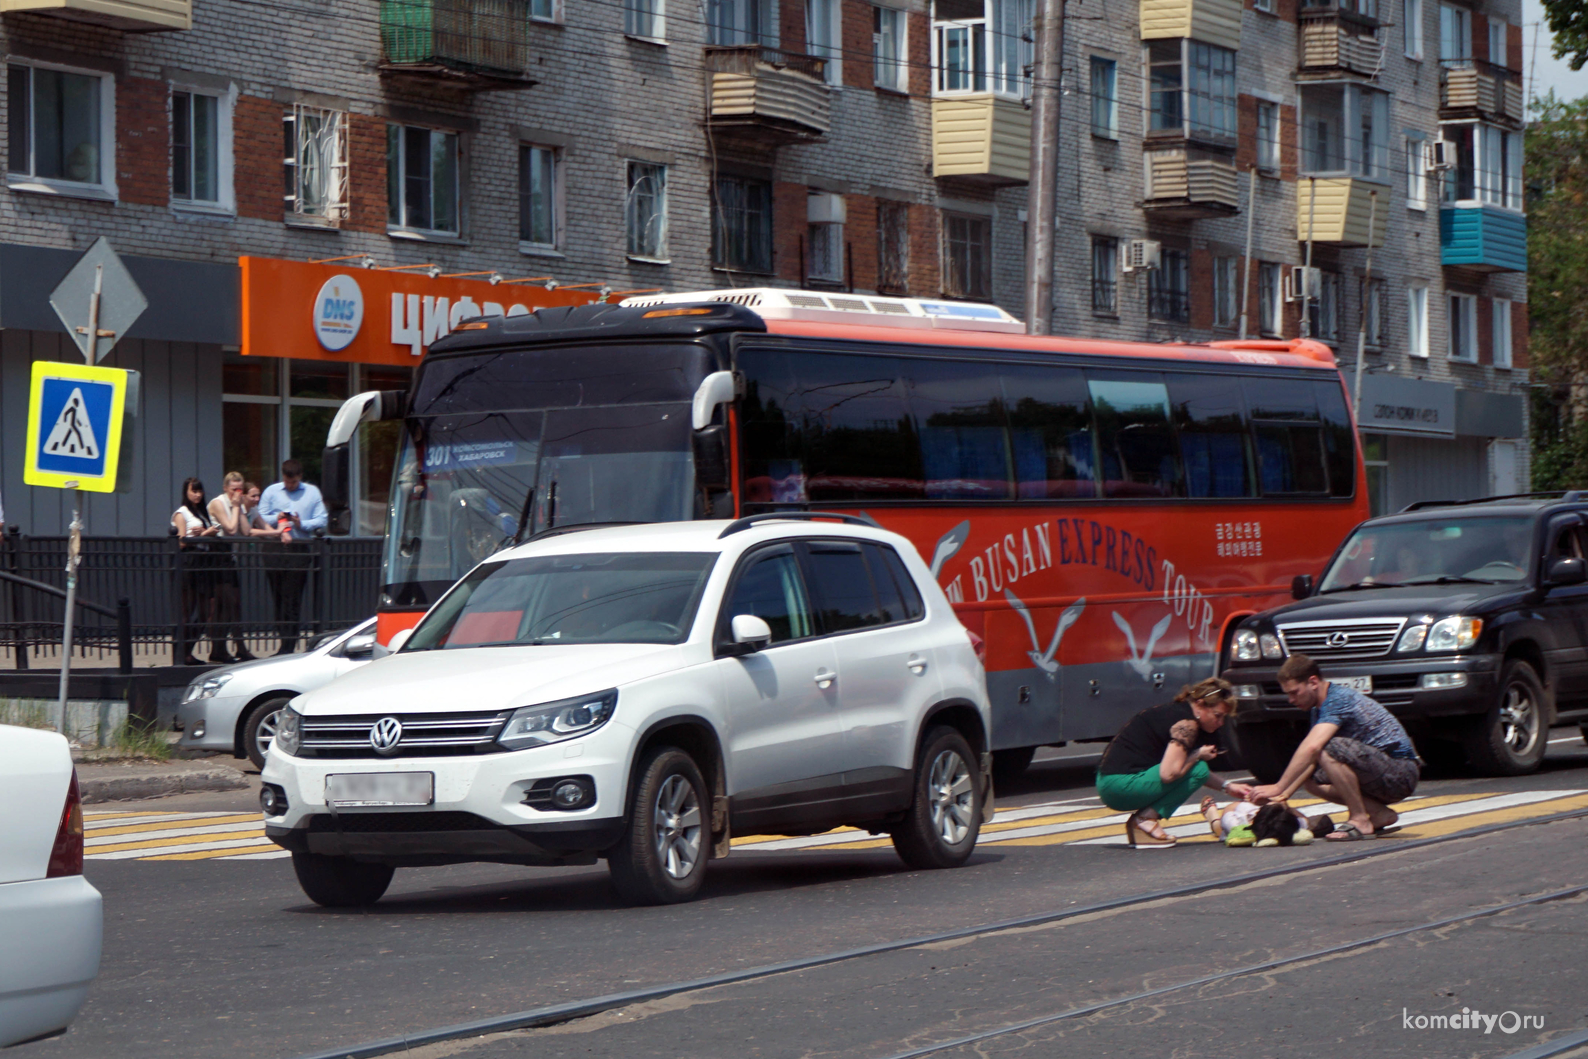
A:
188,833
1005,817
277,854
161,827
212,854
132,849
94,821
1497,816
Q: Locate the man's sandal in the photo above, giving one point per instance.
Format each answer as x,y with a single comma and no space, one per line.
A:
1349,832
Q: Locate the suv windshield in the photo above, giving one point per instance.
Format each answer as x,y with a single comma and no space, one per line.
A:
643,597
1492,549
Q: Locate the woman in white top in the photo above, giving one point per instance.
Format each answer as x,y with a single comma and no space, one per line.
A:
230,513
195,528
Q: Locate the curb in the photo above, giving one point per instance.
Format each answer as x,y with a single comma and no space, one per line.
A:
159,784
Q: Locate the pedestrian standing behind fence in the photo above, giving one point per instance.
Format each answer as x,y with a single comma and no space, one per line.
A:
295,508
196,529
229,512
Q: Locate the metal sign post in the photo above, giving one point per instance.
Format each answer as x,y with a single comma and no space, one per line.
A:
74,551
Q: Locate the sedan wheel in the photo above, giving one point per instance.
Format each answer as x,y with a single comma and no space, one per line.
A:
259,730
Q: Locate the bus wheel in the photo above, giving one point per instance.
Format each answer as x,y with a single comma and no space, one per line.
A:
1012,764
1265,747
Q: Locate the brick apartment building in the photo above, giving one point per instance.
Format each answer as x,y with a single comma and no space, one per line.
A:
843,145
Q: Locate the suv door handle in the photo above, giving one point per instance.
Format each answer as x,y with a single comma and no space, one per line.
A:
917,664
825,678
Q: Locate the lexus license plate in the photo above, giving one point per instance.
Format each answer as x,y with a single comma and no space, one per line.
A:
353,790
1362,684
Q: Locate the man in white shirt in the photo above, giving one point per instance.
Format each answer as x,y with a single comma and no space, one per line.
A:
296,508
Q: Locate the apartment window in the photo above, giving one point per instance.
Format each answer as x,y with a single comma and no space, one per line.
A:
825,214
1169,288
739,22
741,231
1502,333
1488,165
1455,33
315,142
59,125
645,211
537,196
1416,173
1105,98
887,49
893,247
968,257
1105,275
1417,321
1497,43
824,37
1371,300
544,10
1265,6
1463,327
982,45
1324,310
1225,286
644,18
1192,89
421,179
201,136
1344,131
1270,308
1412,31
1268,137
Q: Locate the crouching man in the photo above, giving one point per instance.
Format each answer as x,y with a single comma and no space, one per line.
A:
1356,753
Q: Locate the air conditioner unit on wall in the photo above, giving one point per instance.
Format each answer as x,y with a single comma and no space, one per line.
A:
1441,155
1142,254
1302,282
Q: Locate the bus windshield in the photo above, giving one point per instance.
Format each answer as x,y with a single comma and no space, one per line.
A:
1430,552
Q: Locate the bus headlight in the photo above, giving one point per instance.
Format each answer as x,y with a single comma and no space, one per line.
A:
1246,648
1454,634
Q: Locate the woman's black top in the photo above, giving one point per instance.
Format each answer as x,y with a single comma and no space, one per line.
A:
1140,744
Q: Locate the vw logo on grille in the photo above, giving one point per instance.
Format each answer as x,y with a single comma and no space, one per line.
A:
1336,639
385,735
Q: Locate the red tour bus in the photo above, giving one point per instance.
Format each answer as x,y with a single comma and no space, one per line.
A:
1101,513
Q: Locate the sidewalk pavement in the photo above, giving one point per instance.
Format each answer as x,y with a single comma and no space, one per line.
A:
112,781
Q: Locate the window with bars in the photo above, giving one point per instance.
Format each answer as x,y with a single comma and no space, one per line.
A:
315,142
645,211
537,196
967,258
741,225
893,247
1105,275
1169,288
824,252
422,179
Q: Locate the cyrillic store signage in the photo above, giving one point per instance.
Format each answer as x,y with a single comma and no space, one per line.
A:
1392,404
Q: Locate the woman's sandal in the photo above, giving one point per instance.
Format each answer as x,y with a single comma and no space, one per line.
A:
1140,838
1215,823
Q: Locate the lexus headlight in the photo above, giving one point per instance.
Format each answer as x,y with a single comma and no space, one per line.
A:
1246,649
1271,648
1412,639
206,688
552,722
1454,634
289,731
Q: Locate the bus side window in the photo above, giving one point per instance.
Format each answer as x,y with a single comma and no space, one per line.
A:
773,467
853,428
1134,438
1050,426
1339,443
1289,437
1210,419
959,413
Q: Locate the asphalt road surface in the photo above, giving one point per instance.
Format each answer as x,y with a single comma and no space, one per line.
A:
221,955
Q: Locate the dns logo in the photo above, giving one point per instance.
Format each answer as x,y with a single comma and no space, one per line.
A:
338,312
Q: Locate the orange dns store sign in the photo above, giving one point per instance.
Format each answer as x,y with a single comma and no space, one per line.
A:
369,316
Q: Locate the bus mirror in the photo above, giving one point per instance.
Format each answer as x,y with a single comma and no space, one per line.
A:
1301,586
333,488
711,459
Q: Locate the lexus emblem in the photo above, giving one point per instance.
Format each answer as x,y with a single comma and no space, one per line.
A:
385,735
1336,639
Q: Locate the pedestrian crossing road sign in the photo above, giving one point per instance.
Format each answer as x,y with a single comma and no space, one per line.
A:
75,417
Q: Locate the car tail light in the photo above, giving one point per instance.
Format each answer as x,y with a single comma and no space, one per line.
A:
66,858
979,646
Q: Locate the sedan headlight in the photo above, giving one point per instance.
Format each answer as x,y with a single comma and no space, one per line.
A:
1412,639
289,731
1454,634
552,722
205,688
1246,649
1271,648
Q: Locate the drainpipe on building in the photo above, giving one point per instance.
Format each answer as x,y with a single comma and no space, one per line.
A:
1044,177
1367,295
1306,273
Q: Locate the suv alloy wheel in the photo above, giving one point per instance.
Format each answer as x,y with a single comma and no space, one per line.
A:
940,828
1510,739
662,858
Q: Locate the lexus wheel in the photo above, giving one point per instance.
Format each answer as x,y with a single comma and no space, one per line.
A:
259,730
1510,739
944,819
662,858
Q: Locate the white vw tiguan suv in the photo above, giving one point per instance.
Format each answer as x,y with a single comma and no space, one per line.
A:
642,693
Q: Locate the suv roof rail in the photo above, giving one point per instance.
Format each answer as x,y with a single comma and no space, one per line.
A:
750,520
557,531
1566,495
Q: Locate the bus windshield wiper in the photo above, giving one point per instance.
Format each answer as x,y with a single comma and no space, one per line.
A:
1361,584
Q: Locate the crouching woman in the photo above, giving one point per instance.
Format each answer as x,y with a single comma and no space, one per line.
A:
1161,756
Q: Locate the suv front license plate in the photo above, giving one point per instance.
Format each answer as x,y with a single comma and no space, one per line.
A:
1362,684
362,789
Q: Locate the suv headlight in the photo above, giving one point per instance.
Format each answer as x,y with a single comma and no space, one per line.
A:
205,688
289,731
1412,638
1454,634
552,722
1271,648
1246,648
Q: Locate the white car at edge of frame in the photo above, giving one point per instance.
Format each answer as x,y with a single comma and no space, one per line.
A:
51,918
640,694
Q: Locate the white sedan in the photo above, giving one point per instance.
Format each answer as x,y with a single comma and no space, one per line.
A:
51,919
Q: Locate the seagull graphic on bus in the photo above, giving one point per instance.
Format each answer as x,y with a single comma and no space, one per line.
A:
1141,662
948,544
1045,660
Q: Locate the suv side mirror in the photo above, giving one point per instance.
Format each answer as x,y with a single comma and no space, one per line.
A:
748,634
1567,572
1301,586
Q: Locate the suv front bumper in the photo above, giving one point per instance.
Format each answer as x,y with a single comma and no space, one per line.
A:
1398,686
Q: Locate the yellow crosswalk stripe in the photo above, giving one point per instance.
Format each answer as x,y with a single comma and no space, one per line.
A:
211,854
171,825
1452,824
178,840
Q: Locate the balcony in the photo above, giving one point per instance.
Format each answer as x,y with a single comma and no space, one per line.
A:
473,45
1209,21
1183,185
1472,88
129,16
768,95
1330,44
1483,238
984,138
1344,210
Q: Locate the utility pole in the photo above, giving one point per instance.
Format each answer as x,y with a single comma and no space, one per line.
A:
1044,177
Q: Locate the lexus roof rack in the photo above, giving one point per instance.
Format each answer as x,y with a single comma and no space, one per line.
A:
750,520
1566,495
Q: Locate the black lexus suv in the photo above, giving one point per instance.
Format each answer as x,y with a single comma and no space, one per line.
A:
1467,620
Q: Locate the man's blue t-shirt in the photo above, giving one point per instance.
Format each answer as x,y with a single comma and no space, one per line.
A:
1364,720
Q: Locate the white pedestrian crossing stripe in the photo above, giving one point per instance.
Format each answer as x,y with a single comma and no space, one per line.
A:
1077,821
